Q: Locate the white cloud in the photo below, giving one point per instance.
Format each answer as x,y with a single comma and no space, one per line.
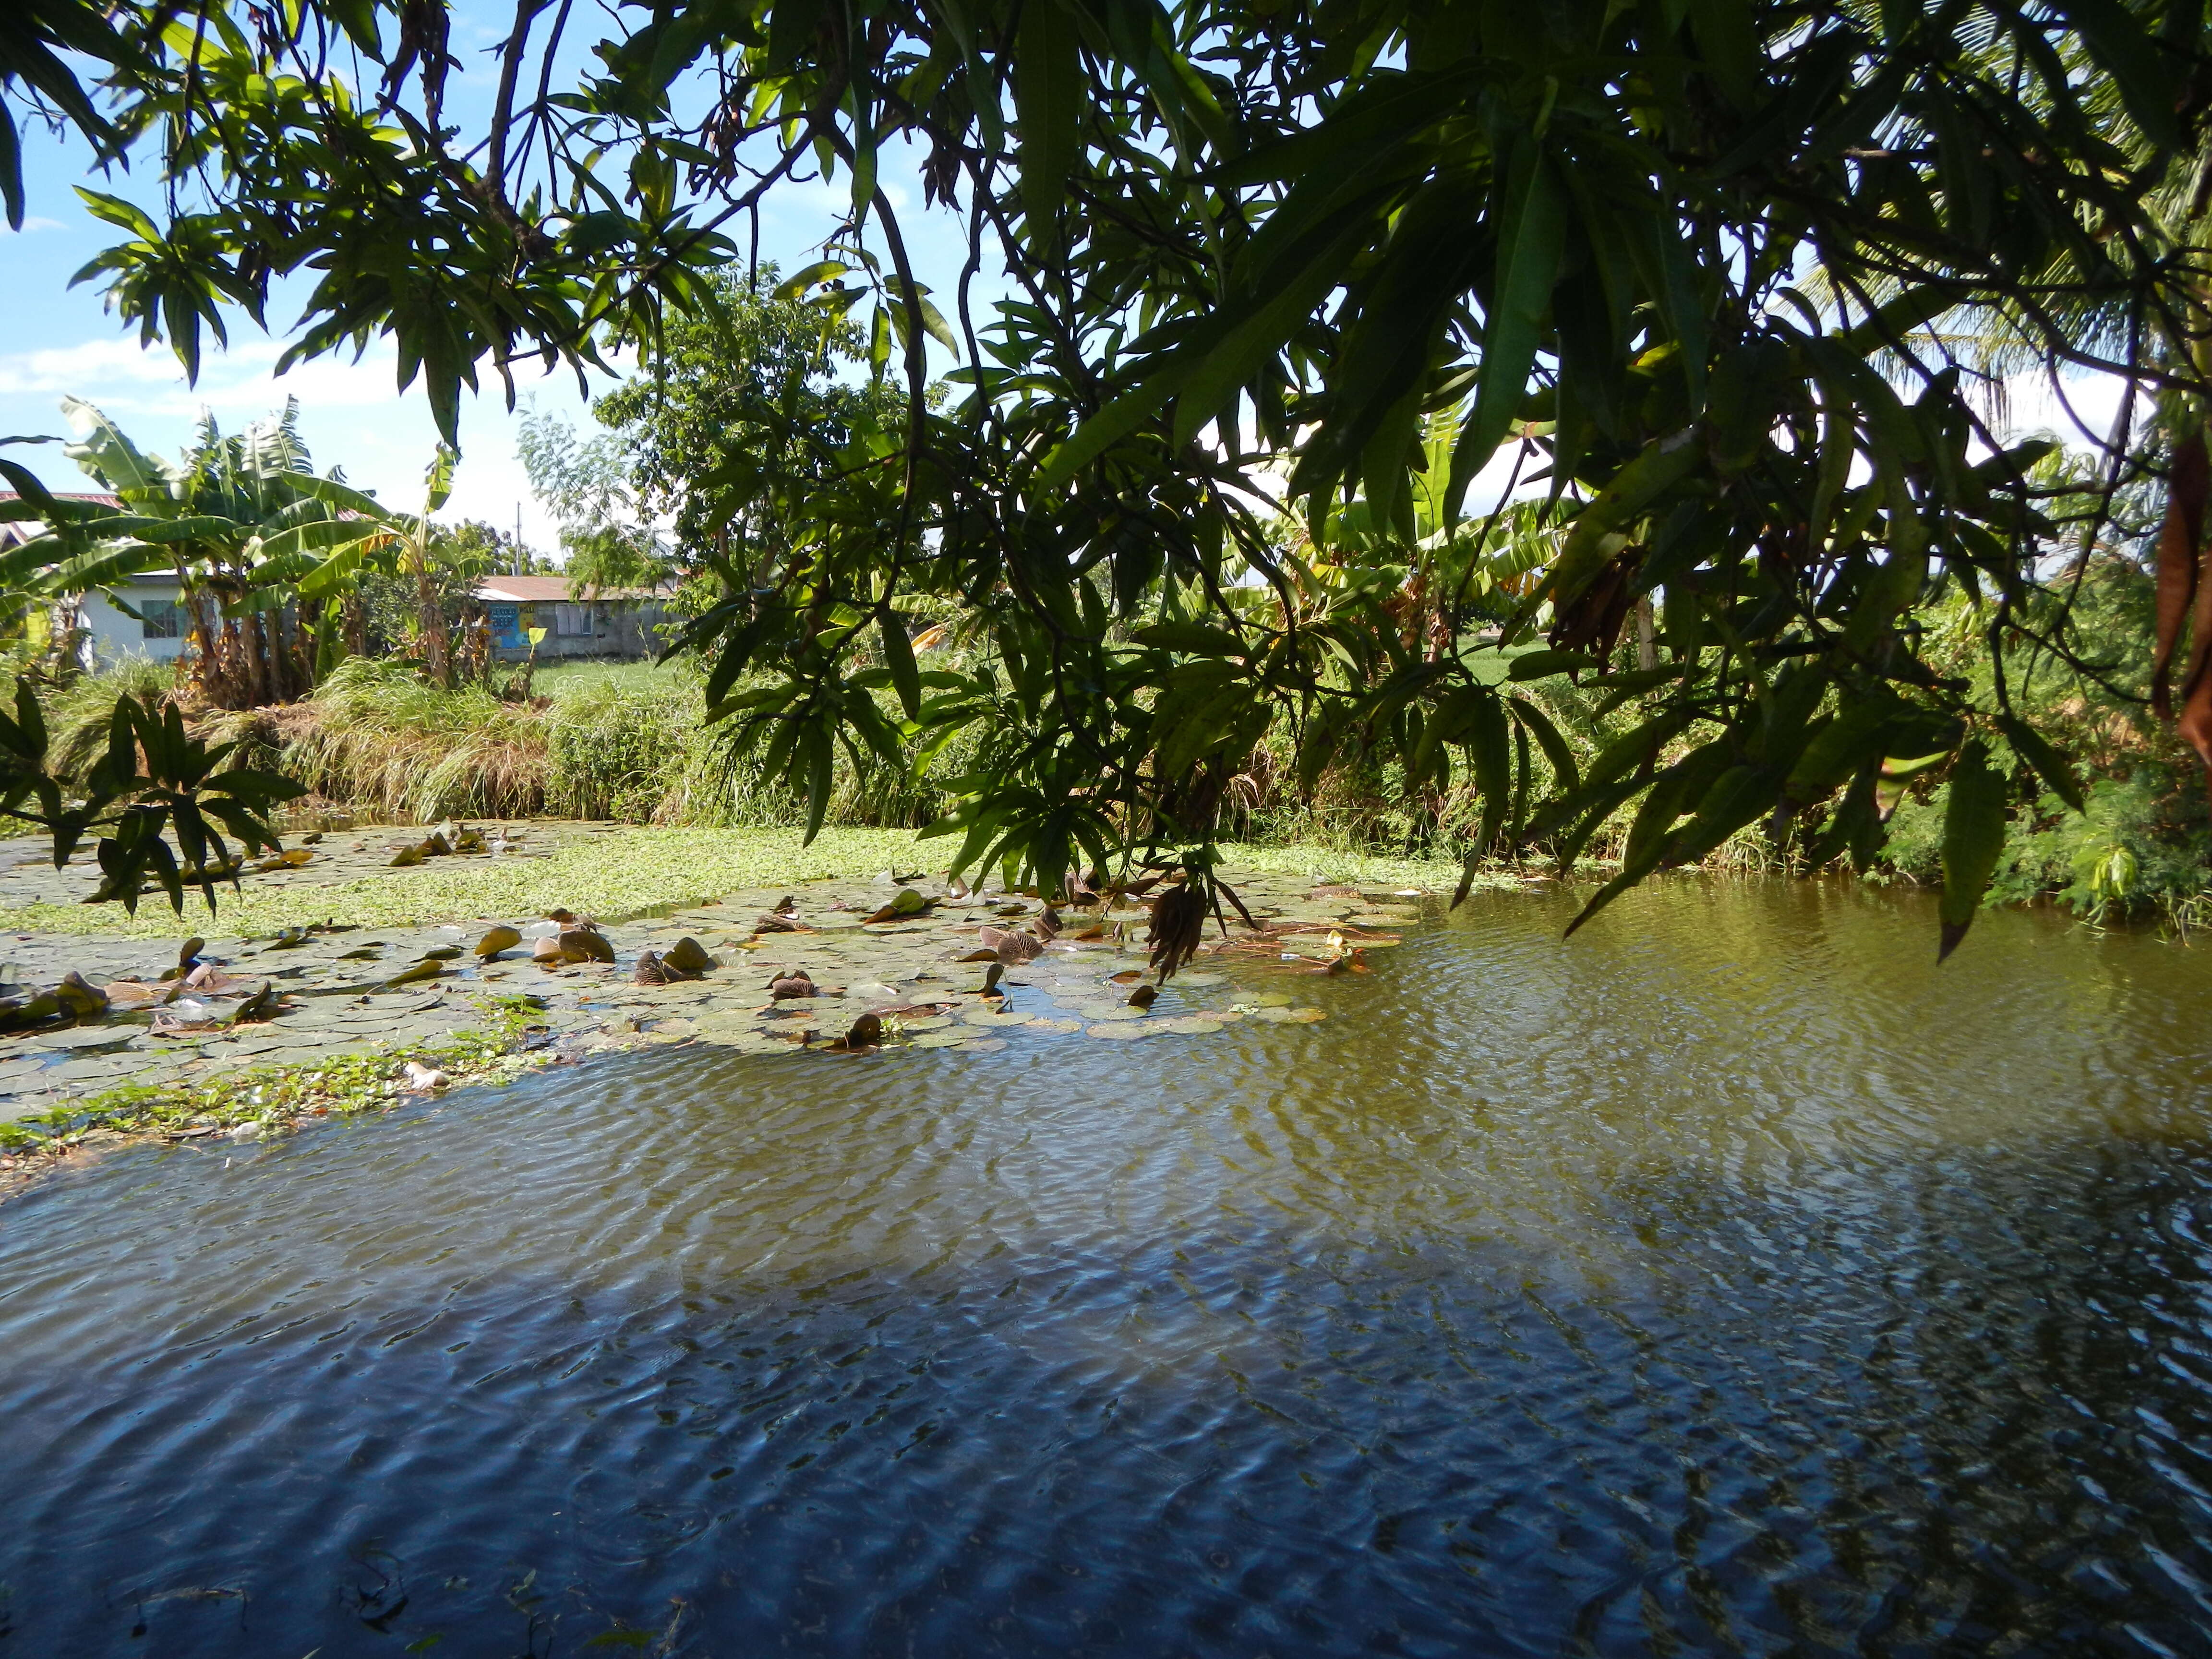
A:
31,226
123,378
2079,400
65,368
352,416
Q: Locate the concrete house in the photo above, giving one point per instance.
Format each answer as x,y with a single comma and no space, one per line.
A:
111,632
159,632
623,622
613,622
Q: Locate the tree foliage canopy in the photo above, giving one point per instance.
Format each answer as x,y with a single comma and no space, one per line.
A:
1725,277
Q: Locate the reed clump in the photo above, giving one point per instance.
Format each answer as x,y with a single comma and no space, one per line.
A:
620,742
380,740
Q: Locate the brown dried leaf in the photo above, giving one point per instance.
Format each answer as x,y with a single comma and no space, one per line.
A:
1178,924
2180,544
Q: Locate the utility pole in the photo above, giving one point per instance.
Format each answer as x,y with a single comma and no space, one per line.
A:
518,571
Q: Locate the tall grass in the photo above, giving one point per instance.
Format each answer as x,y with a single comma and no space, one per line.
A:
78,711
615,749
377,738
628,743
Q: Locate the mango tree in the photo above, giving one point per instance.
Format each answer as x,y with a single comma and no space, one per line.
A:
1693,272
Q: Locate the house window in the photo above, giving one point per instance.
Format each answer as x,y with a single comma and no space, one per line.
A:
161,619
572,620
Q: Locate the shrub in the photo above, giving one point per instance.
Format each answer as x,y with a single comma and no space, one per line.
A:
619,750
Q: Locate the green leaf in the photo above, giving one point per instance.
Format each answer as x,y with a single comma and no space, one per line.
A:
438,480
1050,99
1542,664
103,449
1123,416
348,499
1657,468
822,271
125,215
11,168
1973,839
820,757
1255,332
2032,746
2119,42
1198,639
1647,841
1535,228
1634,750
1492,753
898,657
1560,757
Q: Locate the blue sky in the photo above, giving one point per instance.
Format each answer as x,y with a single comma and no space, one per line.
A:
60,340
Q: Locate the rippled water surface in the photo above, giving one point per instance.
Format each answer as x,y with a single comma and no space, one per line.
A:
1726,1280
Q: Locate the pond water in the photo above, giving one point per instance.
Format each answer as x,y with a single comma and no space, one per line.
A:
1728,1279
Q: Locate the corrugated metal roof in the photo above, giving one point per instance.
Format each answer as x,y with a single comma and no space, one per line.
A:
104,499
14,532
548,590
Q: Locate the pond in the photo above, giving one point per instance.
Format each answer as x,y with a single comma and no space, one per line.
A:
1728,1279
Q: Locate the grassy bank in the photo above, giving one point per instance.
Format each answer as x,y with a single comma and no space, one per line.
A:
617,873
628,743
621,873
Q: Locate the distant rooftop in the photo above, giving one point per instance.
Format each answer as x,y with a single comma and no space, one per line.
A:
100,496
548,590
14,532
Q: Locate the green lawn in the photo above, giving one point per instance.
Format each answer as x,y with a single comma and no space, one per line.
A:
558,680
621,873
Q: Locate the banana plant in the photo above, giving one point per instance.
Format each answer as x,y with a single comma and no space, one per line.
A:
208,518
322,561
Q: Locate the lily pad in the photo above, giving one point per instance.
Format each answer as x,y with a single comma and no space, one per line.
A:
96,1069
941,1039
987,1017
86,1036
1124,1030
265,1045
1281,1015
1190,1025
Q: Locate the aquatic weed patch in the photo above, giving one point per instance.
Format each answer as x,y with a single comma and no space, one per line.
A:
275,1099
846,967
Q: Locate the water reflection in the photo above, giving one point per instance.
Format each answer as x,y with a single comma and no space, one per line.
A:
1726,1280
